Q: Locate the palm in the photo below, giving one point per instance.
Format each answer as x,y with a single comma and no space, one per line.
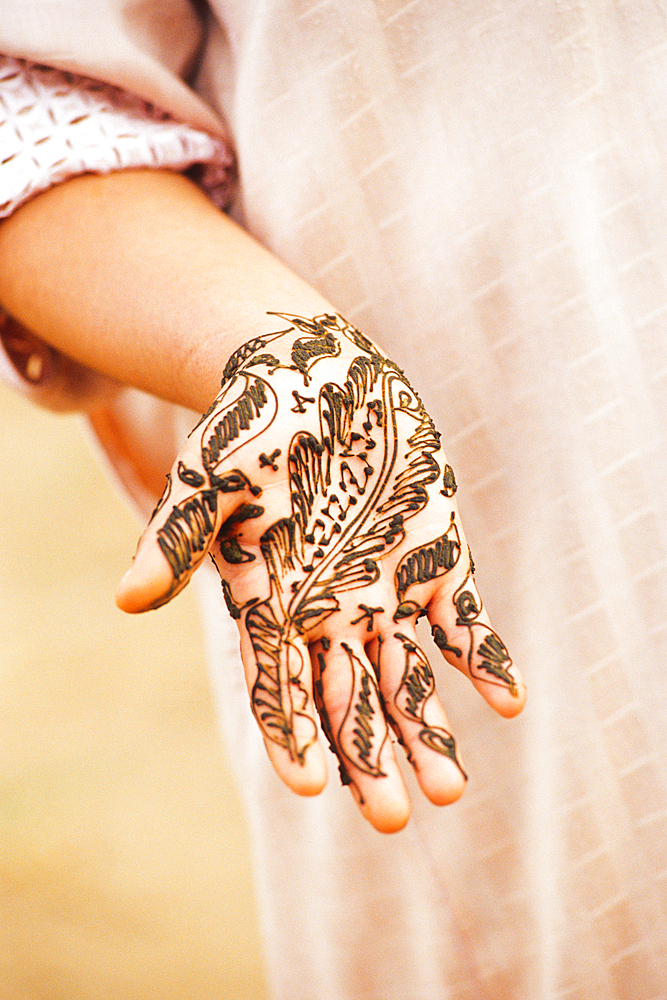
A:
317,484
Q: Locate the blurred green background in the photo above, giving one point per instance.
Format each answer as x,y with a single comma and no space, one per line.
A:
124,868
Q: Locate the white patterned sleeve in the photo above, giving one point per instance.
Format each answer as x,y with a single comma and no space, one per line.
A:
55,125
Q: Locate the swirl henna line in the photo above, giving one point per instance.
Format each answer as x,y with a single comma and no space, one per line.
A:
417,687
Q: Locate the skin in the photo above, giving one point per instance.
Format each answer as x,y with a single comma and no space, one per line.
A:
250,485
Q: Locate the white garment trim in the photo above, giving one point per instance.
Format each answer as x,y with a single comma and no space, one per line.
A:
55,125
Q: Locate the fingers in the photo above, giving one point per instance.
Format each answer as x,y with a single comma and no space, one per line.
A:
353,718
182,531
462,631
417,715
279,682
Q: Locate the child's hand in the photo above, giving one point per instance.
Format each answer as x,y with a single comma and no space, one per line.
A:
317,484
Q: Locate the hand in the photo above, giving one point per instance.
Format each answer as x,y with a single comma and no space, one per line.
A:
316,483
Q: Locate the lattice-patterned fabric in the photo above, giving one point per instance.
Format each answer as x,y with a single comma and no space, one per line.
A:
55,125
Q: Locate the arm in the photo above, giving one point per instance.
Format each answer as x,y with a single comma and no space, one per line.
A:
138,276
315,479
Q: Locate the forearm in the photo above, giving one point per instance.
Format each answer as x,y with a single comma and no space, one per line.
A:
138,276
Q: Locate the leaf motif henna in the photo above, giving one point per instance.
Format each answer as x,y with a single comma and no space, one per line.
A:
412,696
449,486
487,655
427,562
278,695
188,530
253,410
363,731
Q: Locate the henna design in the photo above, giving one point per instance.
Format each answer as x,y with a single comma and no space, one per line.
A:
367,613
300,400
345,512
323,341
246,512
190,476
428,561
406,609
231,552
487,657
441,641
190,528
235,610
230,547
357,729
449,486
269,460
166,493
411,699
228,425
327,728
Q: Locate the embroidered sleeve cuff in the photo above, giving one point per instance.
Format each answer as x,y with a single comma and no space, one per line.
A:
55,125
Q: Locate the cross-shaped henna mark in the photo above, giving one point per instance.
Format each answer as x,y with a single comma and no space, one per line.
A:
266,461
300,400
367,613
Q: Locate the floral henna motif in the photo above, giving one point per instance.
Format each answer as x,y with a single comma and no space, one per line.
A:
360,461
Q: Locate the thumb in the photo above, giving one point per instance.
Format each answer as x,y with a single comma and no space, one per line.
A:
181,532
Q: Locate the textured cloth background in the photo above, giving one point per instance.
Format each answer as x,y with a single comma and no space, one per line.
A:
481,188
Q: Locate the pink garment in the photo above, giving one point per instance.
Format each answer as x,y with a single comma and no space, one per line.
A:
481,188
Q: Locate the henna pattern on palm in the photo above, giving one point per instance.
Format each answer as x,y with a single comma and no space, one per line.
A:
360,463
